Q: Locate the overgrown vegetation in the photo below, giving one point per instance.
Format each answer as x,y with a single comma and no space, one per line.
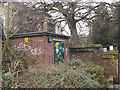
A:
75,74
71,75
13,63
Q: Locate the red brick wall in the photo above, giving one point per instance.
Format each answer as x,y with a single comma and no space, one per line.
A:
87,53
38,46
110,64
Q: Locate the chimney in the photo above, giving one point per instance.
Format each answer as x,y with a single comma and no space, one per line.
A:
58,28
42,26
45,25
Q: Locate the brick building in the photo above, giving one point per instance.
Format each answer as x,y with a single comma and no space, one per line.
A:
39,43
45,47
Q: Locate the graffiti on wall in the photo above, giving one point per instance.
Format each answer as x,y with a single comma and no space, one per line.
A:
24,47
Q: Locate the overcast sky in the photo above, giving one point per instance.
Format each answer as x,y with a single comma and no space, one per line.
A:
84,28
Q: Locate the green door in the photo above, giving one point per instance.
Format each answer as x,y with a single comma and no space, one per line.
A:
58,52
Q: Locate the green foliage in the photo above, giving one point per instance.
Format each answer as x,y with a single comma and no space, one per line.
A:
7,78
105,26
12,58
15,87
113,50
106,84
13,63
75,74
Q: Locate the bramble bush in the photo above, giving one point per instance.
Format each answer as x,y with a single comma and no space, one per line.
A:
74,74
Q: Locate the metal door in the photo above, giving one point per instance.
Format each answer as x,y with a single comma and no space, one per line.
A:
58,52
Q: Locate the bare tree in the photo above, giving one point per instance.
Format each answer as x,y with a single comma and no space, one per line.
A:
71,12
32,17
14,64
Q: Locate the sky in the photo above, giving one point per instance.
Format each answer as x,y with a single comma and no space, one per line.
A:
84,28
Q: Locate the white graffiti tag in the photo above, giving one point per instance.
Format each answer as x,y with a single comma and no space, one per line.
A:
21,46
24,47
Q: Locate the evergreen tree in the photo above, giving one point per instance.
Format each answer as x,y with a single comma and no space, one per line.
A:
105,26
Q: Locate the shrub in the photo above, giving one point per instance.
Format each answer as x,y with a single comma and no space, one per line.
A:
75,74
13,63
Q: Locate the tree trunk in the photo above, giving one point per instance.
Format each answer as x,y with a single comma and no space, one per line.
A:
74,35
